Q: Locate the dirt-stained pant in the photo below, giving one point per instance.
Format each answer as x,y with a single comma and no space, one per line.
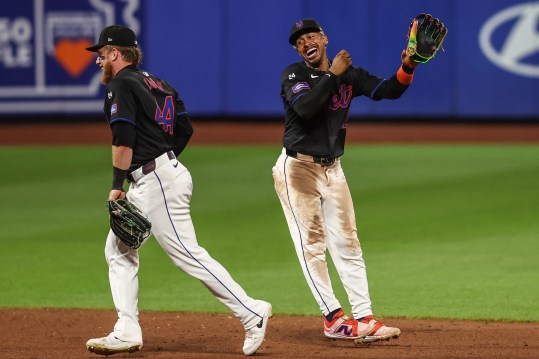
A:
319,211
164,196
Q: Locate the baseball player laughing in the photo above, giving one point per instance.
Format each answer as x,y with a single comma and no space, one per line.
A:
310,181
150,128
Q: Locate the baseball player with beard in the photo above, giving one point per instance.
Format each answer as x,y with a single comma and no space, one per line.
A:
150,128
310,182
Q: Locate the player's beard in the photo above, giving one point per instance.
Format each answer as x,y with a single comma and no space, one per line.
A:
107,73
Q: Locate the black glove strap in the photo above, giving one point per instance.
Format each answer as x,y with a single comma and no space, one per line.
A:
407,69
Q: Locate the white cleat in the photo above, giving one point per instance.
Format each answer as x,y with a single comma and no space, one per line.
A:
254,337
111,345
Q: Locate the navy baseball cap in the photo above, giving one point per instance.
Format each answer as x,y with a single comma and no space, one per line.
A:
115,35
301,27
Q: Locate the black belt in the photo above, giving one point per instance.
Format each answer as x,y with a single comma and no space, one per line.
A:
322,160
150,166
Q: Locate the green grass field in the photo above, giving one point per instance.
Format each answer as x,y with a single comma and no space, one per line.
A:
447,231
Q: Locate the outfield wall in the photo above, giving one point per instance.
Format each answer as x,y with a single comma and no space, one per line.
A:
226,56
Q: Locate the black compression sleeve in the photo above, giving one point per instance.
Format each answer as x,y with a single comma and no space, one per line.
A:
314,101
123,134
182,133
390,89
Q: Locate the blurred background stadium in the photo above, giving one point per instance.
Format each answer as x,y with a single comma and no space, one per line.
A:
225,56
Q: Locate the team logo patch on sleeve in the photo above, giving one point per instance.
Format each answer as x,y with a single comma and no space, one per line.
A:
114,108
300,86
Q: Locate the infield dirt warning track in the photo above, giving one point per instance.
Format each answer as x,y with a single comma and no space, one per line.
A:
209,132
57,333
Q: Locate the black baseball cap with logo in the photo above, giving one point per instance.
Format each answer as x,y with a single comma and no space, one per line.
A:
301,27
115,35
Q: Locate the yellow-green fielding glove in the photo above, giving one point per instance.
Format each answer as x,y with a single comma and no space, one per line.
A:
425,37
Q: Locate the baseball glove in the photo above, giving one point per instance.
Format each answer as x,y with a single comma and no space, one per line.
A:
425,36
128,223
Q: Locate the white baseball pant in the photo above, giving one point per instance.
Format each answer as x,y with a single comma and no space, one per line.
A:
164,196
320,214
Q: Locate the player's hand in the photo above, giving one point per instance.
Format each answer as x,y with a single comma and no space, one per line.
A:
407,60
341,63
116,194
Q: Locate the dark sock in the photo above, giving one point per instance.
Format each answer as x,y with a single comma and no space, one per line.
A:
330,316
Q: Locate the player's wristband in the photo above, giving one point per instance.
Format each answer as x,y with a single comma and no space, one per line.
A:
118,178
405,75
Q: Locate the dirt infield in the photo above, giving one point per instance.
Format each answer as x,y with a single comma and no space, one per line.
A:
57,333
271,133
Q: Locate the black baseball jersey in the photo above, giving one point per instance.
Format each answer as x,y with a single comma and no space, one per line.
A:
317,105
146,114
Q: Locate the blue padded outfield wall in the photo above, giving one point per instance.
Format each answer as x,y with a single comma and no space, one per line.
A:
225,56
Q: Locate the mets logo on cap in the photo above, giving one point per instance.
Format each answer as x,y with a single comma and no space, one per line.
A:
301,27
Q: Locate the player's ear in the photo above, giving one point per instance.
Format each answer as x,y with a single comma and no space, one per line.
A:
114,53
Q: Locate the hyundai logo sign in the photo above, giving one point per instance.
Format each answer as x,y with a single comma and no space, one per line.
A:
510,39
